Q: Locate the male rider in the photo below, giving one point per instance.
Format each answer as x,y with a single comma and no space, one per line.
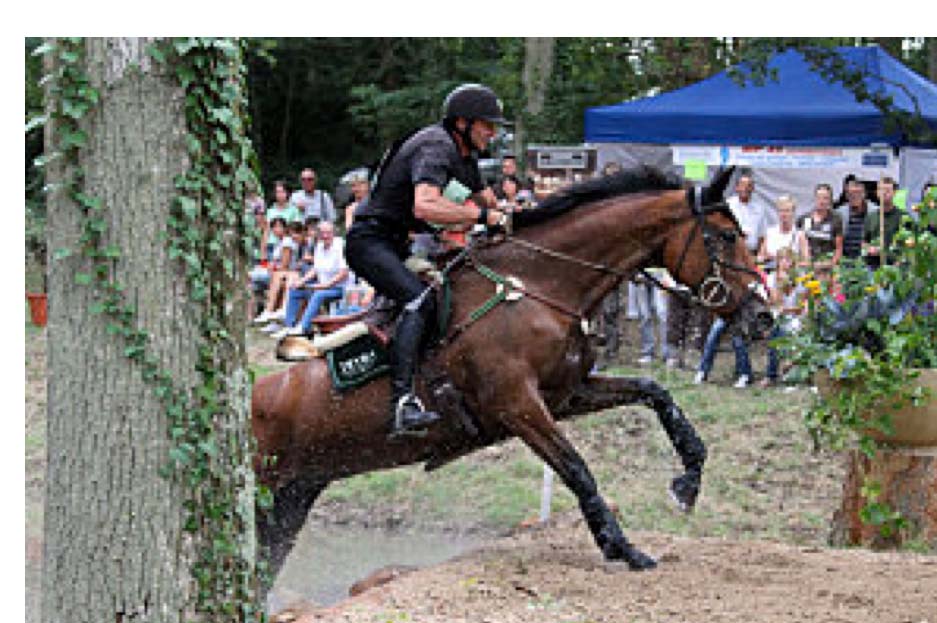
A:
407,197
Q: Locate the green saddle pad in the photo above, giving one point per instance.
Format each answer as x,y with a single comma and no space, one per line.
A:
357,362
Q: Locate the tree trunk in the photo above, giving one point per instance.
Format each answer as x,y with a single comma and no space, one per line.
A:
908,480
931,44
538,67
115,548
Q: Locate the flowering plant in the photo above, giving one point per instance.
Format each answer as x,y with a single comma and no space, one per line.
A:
869,331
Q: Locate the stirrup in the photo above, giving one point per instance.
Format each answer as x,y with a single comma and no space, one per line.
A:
414,429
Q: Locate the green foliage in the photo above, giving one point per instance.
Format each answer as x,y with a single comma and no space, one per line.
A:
207,213
869,337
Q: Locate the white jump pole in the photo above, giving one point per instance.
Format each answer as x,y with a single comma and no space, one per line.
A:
546,494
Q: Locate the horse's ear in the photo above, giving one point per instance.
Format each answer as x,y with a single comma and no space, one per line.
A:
715,192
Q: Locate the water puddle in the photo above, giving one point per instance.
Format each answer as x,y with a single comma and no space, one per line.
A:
327,560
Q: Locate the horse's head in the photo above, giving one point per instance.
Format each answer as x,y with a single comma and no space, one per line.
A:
706,251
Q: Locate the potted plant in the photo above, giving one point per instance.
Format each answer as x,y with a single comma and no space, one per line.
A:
869,344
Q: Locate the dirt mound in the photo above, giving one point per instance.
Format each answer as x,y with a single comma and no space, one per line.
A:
556,574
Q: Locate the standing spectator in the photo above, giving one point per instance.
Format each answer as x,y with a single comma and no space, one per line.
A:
823,231
753,219
853,215
506,191
281,208
313,202
652,305
784,235
681,323
360,187
890,216
787,305
324,282
752,216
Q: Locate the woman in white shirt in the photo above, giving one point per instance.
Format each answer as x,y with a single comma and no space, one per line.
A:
784,235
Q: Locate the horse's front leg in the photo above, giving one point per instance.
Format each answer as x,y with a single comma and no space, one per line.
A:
598,392
528,417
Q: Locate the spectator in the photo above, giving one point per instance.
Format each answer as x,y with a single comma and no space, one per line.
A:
784,235
281,264
787,305
853,215
281,208
752,216
506,191
254,202
682,322
324,282
753,219
312,202
887,217
309,244
823,231
652,305
360,187
509,169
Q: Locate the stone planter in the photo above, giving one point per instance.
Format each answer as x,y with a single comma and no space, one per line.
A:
37,308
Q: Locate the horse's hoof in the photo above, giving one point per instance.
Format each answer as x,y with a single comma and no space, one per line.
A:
639,561
684,491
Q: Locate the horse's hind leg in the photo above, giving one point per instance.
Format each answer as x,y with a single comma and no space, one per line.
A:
277,527
531,420
603,392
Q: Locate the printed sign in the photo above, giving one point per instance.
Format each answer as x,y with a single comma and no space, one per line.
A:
695,170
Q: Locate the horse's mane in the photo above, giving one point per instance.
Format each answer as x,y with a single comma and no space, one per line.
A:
626,182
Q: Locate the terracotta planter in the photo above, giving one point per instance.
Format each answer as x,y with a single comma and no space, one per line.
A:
914,426
37,308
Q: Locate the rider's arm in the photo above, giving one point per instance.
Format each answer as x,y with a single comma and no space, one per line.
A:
429,205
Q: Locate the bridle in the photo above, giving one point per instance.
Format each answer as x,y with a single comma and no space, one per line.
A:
711,293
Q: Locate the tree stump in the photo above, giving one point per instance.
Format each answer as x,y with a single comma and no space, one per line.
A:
908,480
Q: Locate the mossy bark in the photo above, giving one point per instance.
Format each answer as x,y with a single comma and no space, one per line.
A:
115,549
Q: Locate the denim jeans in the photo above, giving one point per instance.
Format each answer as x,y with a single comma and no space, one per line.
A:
651,304
742,364
315,300
772,371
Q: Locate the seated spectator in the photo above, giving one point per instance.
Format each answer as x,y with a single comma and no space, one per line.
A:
784,235
887,217
309,244
310,201
281,208
822,231
787,305
324,282
360,187
282,263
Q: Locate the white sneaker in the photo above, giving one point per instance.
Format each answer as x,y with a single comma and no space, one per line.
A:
296,330
264,316
742,382
672,362
700,378
271,327
279,334
644,361
279,314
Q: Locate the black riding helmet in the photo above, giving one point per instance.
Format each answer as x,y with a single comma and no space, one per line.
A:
471,102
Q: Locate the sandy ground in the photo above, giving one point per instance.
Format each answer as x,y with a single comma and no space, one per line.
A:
554,573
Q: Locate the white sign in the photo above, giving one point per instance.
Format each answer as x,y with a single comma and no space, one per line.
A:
786,157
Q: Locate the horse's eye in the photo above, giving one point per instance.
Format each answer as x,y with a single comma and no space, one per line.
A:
729,236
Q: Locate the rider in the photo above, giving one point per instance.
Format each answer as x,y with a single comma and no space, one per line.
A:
407,197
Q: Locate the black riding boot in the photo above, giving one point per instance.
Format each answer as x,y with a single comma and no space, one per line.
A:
407,414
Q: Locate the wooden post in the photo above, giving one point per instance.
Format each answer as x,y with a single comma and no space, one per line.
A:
908,480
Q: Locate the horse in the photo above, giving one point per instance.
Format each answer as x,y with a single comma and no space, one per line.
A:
517,362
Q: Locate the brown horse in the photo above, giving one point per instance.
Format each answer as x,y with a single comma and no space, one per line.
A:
525,364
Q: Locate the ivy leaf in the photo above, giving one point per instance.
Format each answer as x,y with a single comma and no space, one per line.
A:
76,138
44,48
35,122
61,254
83,279
156,53
91,203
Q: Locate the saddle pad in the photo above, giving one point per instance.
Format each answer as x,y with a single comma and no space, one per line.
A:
353,364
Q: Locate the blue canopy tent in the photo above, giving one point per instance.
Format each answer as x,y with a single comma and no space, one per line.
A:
799,109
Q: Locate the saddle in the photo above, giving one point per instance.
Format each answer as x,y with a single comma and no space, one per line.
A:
355,345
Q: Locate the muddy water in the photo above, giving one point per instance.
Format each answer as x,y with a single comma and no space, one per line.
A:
328,559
